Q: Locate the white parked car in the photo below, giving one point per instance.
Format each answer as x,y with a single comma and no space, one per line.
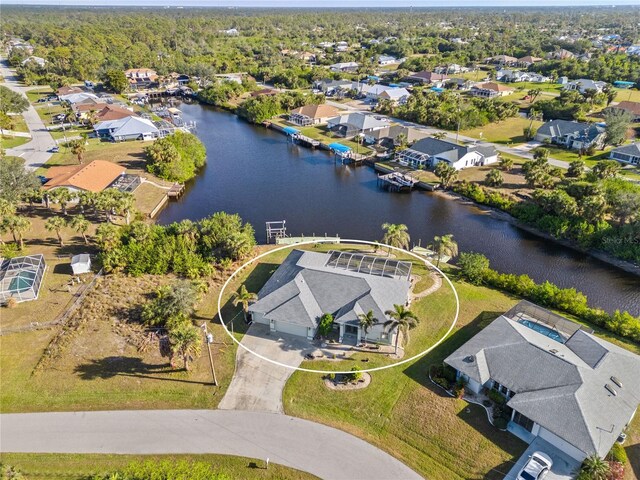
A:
536,468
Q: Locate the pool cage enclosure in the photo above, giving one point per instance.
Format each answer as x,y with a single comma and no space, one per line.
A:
525,310
369,264
21,278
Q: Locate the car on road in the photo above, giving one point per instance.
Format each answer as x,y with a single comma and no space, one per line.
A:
536,468
54,150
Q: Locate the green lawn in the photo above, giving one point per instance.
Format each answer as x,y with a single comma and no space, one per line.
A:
18,124
571,155
12,142
44,466
37,93
507,132
321,134
627,94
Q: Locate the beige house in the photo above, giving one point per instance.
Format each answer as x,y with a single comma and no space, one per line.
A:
312,114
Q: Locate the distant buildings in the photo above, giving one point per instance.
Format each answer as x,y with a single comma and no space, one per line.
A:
583,84
428,78
515,76
632,108
344,67
141,78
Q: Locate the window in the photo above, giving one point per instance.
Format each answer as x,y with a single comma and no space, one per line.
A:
523,421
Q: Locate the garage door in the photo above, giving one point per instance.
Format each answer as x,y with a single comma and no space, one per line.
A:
292,329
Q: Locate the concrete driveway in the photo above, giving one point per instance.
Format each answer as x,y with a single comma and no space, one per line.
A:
257,384
563,465
323,451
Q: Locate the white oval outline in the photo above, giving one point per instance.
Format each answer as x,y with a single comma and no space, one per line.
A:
342,241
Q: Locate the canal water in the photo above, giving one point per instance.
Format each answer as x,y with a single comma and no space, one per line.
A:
256,173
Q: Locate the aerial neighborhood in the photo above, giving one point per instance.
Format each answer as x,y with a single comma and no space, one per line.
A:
320,243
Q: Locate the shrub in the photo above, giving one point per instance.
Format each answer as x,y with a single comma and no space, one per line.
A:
443,382
355,374
496,397
500,423
11,303
325,325
618,454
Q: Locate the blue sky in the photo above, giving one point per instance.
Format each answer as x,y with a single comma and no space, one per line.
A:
325,3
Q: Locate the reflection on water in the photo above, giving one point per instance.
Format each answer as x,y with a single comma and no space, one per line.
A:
254,172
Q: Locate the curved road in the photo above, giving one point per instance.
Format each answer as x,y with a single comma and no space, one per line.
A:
323,451
34,152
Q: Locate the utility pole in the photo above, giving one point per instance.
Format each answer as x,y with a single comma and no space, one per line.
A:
208,338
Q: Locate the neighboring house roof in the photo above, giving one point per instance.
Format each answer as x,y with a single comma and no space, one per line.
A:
434,147
264,91
305,286
88,107
127,126
504,59
113,112
79,97
68,90
529,59
316,111
358,120
562,128
561,54
93,177
140,73
631,107
586,84
428,77
560,386
394,131
395,93
496,87
632,149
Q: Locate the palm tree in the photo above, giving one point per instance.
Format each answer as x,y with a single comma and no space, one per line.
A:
401,320
506,163
62,196
124,205
366,321
17,225
108,236
445,245
439,135
186,341
244,297
6,208
56,224
595,468
78,148
396,235
81,225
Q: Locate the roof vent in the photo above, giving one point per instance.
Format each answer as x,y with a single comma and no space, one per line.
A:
616,381
611,390
469,359
553,350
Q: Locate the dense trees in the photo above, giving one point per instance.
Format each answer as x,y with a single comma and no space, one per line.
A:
176,157
261,108
618,122
12,102
15,179
116,80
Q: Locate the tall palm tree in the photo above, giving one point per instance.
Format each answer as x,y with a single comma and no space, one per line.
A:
17,225
366,321
81,225
124,205
6,208
86,199
402,320
445,245
186,341
78,148
396,235
244,297
62,196
56,224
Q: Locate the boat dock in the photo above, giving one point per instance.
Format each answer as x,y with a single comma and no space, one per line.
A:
294,240
176,190
304,140
397,182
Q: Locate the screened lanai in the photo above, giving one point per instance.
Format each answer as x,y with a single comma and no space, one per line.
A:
413,158
369,264
21,278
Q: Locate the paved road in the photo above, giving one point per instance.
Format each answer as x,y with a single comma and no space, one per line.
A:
311,447
34,152
257,384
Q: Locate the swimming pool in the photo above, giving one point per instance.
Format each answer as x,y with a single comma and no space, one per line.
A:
546,331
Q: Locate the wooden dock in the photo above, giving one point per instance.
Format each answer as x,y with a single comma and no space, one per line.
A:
176,190
397,182
306,141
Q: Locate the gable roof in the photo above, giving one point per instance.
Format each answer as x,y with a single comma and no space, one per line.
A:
113,112
93,177
560,386
631,107
632,149
529,59
68,90
561,128
304,287
428,76
395,93
316,111
127,126
79,97
358,120
496,87
434,147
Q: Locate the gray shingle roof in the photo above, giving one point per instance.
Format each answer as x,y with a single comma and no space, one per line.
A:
631,149
560,128
433,147
559,386
302,289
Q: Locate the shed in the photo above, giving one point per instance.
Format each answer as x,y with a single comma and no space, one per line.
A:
81,263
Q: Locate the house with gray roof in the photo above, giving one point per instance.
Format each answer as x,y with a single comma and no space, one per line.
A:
562,383
571,134
349,125
584,84
309,284
627,153
127,128
428,152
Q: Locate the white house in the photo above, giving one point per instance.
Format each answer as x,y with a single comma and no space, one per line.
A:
344,67
490,90
584,84
428,152
128,128
375,93
560,382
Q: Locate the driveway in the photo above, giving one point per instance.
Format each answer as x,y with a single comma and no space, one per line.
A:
323,451
34,152
257,384
563,465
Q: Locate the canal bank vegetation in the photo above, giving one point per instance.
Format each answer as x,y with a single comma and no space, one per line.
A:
176,157
264,107
475,268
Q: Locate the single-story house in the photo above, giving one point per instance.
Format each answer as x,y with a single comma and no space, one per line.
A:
490,90
632,108
330,87
503,60
527,61
351,124
388,136
141,77
80,97
427,77
84,111
127,128
387,60
627,154
571,134
395,95
312,114
68,91
513,76
458,83
39,61
560,54
81,263
113,112
92,177
344,67
560,382
428,152
21,278
308,285
269,92
584,84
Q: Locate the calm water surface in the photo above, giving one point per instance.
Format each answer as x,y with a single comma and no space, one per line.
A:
254,172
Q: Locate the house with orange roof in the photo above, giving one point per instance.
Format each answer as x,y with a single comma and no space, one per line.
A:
490,90
92,177
312,114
